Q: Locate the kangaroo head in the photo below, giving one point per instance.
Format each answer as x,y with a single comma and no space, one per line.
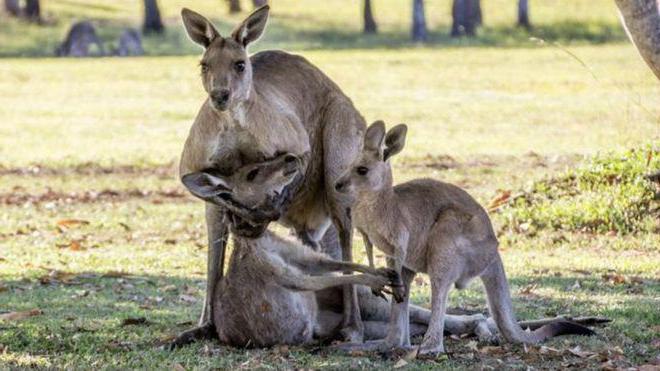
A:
254,193
372,171
225,65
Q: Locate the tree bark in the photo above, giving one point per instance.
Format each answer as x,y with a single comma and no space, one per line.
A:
258,3
466,16
419,32
370,25
152,21
33,10
12,8
234,6
641,18
523,14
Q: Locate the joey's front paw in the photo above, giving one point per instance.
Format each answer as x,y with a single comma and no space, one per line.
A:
398,288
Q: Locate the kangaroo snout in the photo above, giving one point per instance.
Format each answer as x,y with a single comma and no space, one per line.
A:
343,185
220,98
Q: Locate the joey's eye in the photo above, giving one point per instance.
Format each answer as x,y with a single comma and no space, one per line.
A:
239,66
252,174
205,67
362,170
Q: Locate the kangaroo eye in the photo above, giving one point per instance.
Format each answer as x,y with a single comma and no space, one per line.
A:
252,174
205,68
239,66
361,170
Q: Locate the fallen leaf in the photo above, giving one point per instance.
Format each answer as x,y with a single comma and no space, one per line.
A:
68,223
400,363
134,321
614,278
577,351
3,287
187,298
17,316
502,197
168,288
472,345
76,246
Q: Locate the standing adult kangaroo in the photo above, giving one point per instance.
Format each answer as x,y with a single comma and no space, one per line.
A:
257,107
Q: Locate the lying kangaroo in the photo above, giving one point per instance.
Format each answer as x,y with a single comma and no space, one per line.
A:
268,296
257,107
433,227
78,40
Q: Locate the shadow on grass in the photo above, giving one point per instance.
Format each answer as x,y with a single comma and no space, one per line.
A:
26,40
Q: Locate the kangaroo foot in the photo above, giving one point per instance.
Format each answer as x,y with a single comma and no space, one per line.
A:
205,331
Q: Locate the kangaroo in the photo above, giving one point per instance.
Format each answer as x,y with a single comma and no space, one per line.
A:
130,43
80,36
269,297
432,227
259,106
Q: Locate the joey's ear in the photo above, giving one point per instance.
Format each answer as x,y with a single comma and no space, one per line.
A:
395,140
373,138
252,27
199,29
206,186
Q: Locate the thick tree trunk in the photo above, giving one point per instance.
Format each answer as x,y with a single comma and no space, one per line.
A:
12,7
370,25
641,18
258,3
419,32
234,6
33,10
466,16
523,14
152,21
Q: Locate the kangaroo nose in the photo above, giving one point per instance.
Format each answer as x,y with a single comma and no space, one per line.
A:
220,96
340,186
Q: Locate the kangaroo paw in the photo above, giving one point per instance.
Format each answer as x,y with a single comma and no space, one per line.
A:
203,332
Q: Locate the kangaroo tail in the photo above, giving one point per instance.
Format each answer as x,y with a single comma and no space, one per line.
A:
499,303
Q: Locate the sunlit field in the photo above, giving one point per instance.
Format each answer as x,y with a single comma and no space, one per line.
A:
95,227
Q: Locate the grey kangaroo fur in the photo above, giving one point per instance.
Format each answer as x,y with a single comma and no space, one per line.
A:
258,107
269,295
80,36
432,227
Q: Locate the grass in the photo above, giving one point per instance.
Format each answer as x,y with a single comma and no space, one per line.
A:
296,25
97,140
609,194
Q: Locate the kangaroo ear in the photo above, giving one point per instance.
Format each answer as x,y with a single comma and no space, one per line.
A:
208,187
199,29
252,27
395,140
373,138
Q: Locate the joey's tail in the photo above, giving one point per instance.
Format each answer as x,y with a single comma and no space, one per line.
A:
499,303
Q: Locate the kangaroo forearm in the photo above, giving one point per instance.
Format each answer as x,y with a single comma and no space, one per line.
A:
217,237
316,283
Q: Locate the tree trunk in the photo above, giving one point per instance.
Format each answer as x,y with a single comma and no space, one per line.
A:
370,25
641,18
258,3
33,10
152,21
523,14
234,6
466,16
419,21
12,8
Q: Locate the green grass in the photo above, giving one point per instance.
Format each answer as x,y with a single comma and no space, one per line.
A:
297,25
610,193
98,140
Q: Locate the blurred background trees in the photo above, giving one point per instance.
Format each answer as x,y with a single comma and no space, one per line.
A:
152,20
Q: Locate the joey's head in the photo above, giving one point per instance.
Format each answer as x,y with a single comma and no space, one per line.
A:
225,66
254,194
372,171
